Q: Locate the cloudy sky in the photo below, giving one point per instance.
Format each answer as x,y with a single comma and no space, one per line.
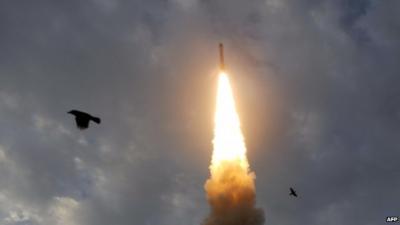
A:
316,83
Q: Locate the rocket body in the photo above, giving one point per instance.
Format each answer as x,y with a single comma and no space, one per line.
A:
221,57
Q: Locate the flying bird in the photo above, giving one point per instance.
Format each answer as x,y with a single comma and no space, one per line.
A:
82,119
293,192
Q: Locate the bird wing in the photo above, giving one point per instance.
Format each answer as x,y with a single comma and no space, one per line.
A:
293,192
82,122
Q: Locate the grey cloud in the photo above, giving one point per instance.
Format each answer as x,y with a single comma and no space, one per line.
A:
317,90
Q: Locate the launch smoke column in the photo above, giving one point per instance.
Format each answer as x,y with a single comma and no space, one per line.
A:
231,188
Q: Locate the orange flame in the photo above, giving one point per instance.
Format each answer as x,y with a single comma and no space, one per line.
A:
228,138
231,189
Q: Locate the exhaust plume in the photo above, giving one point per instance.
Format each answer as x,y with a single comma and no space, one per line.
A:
230,189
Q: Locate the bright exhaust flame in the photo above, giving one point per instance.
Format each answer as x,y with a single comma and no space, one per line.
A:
231,189
228,138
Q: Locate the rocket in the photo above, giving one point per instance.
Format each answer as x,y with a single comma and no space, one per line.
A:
221,57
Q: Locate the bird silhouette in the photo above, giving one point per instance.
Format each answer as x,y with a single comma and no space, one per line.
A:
82,119
293,192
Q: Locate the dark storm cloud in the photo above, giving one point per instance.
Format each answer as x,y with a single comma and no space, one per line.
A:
321,76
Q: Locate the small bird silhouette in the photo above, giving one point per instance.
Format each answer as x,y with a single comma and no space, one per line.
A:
293,192
82,119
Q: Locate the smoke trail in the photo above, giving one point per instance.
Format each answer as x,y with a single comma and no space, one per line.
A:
230,189
231,195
